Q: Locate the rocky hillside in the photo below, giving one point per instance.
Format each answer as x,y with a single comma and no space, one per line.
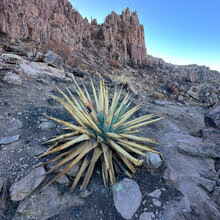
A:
54,24
44,44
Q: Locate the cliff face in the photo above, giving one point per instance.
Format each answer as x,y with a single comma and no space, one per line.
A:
54,24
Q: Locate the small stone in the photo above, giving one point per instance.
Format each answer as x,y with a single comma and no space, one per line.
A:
12,79
160,102
10,139
156,202
85,193
144,202
155,194
131,87
193,94
15,124
127,197
180,98
153,160
145,216
38,57
46,126
27,185
63,180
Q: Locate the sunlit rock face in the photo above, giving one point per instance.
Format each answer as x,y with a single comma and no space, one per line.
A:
55,24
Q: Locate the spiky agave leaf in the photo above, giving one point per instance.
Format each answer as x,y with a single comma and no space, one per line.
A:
105,132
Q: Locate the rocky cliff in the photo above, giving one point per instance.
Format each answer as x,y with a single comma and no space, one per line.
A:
54,24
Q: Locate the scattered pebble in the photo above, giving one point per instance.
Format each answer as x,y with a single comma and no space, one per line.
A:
153,160
156,202
10,139
46,126
155,194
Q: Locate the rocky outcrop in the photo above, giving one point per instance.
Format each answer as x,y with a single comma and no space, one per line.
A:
54,24
189,73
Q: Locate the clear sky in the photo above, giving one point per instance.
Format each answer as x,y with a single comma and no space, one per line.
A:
179,31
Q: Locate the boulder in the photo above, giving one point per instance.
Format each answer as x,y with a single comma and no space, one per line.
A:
53,59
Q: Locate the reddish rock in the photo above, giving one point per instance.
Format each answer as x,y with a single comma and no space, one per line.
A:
55,25
171,87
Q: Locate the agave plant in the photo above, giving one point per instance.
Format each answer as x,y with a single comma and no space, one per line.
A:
103,132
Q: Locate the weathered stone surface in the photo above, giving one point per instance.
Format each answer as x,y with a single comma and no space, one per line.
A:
216,194
12,58
53,59
46,204
200,149
205,183
21,189
193,94
12,79
127,197
10,139
211,135
153,160
56,25
170,177
145,216
15,124
212,116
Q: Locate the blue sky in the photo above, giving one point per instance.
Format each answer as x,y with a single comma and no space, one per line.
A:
179,31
